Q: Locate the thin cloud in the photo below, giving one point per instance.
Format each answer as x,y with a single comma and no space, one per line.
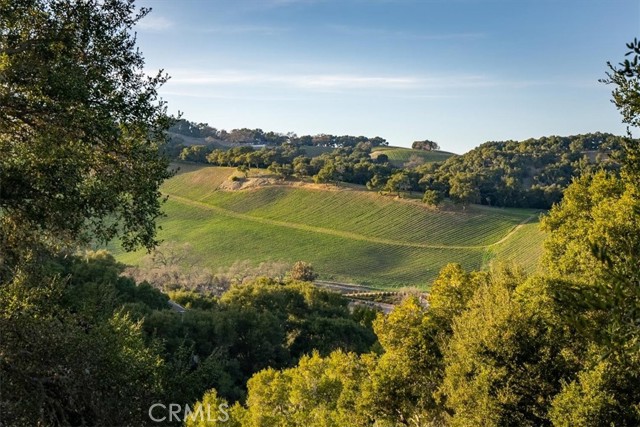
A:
243,29
354,81
155,23
257,5
282,3
382,33
305,81
235,97
423,85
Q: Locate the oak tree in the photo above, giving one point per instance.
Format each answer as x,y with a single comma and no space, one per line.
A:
81,125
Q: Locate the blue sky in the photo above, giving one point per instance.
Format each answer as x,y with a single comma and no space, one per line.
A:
459,72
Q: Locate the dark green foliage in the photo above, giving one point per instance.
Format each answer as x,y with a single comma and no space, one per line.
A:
195,153
60,369
353,165
626,96
425,145
252,327
282,171
382,158
72,353
247,156
464,188
194,300
432,198
96,287
80,127
346,163
272,139
244,169
195,130
530,173
88,323
401,182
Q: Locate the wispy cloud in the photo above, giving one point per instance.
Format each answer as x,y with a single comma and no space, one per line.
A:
351,81
155,23
304,81
384,33
243,29
234,82
256,5
282,3
234,97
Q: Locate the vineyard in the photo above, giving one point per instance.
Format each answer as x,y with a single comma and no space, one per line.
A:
523,248
348,234
398,156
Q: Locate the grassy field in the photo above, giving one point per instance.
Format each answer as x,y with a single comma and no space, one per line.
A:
349,235
398,156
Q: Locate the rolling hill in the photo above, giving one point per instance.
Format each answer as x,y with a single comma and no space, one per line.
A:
398,156
348,234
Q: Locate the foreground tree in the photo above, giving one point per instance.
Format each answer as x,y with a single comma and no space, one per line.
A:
72,353
505,369
596,229
626,96
594,235
80,127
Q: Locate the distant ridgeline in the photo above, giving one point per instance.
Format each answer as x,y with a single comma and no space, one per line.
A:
531,173
184,128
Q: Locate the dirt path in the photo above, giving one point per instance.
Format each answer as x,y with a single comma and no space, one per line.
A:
332,232
516,228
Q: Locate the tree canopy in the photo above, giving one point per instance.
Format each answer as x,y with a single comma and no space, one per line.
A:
80,126
425,145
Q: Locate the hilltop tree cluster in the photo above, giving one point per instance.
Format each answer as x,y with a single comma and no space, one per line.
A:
425,145
530,173
260,137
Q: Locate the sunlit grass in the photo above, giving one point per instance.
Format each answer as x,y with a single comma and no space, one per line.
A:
348,235
398,156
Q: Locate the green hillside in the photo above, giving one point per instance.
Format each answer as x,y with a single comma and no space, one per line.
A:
315,151
524,247
348,234
398,156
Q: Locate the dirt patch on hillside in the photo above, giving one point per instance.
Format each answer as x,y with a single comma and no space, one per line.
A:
253,183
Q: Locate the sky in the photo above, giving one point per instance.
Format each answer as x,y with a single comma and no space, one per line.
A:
458,72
